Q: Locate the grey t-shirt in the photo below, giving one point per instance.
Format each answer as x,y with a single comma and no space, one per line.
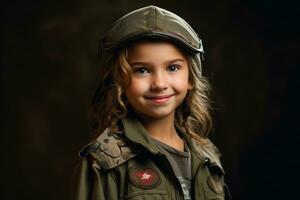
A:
181,164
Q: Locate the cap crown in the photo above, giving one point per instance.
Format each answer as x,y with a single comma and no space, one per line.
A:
151,22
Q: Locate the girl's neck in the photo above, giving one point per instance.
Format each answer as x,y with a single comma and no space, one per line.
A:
163,130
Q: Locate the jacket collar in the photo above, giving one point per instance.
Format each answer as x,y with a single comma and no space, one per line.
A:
201,153
136,133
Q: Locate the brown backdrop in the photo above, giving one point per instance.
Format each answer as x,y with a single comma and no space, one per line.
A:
49,74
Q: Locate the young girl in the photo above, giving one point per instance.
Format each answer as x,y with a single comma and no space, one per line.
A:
152,116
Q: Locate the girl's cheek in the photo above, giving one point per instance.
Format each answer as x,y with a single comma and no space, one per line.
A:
181,82
137,86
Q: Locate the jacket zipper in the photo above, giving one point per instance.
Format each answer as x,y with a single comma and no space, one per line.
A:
178,194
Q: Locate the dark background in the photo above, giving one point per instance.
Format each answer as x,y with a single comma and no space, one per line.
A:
49,72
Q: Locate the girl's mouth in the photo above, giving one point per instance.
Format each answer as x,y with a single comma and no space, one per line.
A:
159,99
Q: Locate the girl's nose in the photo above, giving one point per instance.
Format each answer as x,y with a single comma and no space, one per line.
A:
159,82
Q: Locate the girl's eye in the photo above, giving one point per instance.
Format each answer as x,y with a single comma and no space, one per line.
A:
173,68
141,70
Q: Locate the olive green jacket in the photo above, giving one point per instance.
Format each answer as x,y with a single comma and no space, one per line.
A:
113,166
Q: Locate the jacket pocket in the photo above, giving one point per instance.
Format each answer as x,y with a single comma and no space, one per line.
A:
214,183
148,195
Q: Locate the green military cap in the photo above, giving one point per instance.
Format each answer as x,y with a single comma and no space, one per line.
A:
151,22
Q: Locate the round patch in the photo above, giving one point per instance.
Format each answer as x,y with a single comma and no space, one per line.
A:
215,184
144,177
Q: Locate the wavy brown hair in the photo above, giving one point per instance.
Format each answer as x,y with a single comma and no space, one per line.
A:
110,104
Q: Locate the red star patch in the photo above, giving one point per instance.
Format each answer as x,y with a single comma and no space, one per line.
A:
144,178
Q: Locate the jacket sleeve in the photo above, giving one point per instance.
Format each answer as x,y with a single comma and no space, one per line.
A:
90,182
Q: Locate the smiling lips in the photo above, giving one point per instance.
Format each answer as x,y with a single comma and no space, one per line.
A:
159,99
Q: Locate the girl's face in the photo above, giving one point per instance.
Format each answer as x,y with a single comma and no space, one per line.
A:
159,79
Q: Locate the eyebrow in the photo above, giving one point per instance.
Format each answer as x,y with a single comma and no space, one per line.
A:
149,63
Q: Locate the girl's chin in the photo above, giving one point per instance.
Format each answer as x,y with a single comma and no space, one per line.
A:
155,115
